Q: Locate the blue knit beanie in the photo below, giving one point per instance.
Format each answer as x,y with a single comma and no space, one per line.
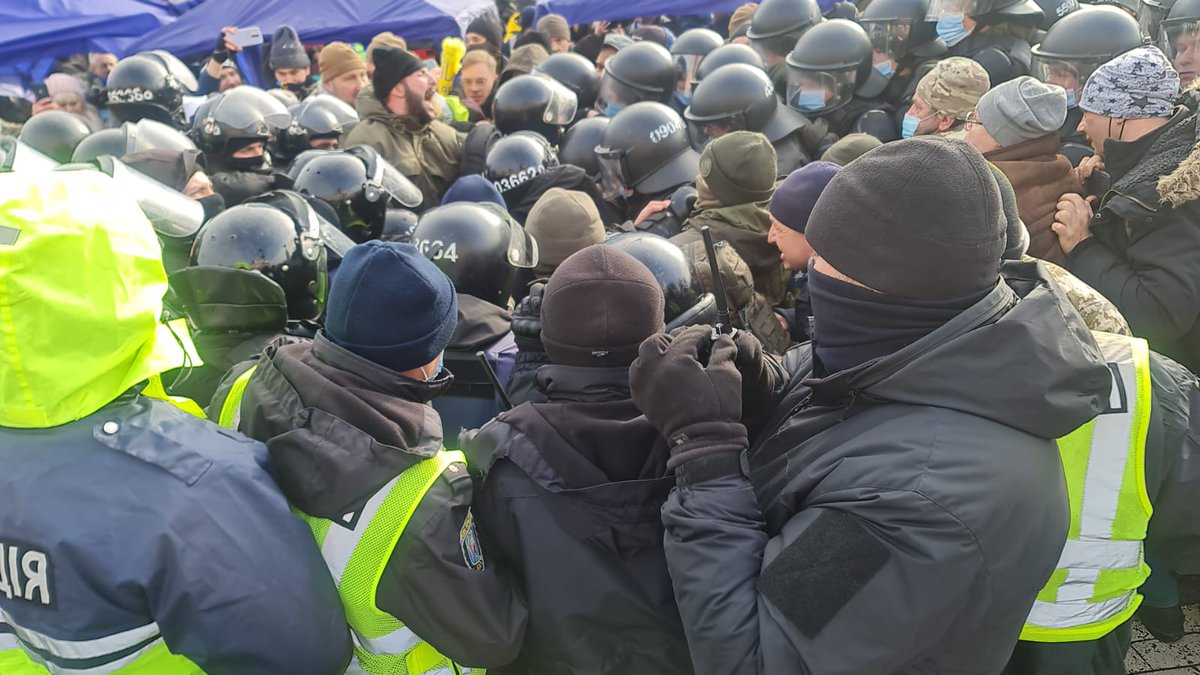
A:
392,306
473,188
794,198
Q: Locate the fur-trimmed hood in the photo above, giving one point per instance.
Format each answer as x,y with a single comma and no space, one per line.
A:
1182,185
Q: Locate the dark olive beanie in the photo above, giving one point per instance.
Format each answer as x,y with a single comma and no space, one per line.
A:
919,219
599,305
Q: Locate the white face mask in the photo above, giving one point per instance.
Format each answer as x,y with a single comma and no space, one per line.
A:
437,369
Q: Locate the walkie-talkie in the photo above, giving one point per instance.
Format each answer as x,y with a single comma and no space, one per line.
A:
724,325
491,376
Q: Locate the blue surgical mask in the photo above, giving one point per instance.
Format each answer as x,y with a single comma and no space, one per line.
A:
684,99
908,128
886,69
438,370
611,109
1071,102
809,99
951,30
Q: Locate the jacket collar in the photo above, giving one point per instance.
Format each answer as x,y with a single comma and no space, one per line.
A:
379,377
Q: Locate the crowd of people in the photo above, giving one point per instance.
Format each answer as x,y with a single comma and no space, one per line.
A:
820,337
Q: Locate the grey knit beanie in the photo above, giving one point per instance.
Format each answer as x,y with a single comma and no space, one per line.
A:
1139,84
287,51
1022,109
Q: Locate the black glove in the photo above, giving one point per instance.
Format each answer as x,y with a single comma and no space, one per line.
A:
220,52
758,379
689,388
527,320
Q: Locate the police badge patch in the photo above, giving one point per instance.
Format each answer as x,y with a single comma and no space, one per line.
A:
468,540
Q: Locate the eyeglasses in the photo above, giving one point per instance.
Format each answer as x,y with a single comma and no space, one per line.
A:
972,117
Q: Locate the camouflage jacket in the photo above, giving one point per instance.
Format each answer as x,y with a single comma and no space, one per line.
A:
1097,312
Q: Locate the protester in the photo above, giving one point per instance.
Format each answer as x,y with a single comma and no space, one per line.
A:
1136,243
791,207
944,98
343,72
849,148
739,23
479,74
556,30
289,63
396,117
185,502
384,39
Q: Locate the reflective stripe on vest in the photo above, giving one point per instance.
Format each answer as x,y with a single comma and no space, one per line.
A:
231,408
1094,588
357,548
138,651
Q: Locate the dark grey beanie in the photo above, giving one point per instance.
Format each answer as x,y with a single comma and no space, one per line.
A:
919,219
599,305
287,51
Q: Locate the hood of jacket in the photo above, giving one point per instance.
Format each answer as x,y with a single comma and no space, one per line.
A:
480,323
74,337
338,427
1022,357
1182,184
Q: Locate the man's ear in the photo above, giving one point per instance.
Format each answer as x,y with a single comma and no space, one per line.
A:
945,122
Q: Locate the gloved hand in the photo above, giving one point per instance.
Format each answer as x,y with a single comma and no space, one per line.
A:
220,52
689,388
758,377
527,320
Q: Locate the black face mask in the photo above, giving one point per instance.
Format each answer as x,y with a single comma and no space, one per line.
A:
249,163
213,204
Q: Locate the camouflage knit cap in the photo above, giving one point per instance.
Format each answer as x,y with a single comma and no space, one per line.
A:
954,86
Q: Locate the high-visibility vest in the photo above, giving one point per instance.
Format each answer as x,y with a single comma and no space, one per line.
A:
230,415
358,547
1094,586
72,656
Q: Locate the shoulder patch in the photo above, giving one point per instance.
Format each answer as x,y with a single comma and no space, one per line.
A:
822,570
468,541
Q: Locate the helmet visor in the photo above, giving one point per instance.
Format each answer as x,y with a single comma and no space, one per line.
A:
561,109
889,38
686,66
814,92
701,133
173,215
1150,16
251,110
384,179
612,173
615,92
1179,42
939,8
151,135
1070,74
178,69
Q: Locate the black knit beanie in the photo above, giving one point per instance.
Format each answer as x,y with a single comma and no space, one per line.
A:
391,67
919,218
599,305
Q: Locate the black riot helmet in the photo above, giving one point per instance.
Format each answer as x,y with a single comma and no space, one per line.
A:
1180,38
479,246
55,134
131,137
319,117
1053,10
276,235
736,98
533,103
238,117
579,145
686,302
646,149
360,186
643,71
1150,15
576,73
988,11
689,50
301,160
901,28
1080,43
515,160
726,56
98,144
399,225
829,64
778,24
149,85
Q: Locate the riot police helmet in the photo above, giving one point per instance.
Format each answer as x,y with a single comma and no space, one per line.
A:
316,118
578,146
1081,42
576,73
778,24
687,304
55,133
827,66
360,186
643,71
1179,37
689,50
646,149
901,28
515,160
726,56
734,98
149,85
241,116
535,103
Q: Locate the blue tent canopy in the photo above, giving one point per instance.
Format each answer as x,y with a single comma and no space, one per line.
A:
585,11
316,22
33,30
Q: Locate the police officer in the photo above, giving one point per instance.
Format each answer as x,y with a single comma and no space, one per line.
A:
996,33
55,134
208,568
905,46
688,50
741,98
481,249
150,85
234,129
1180,38
576,73
257,273
359,454
944,98
578,147
534,103
1073,48
358,186
776,27
523,167
643,71
686,301
830,76
645,155
727,55
317,122
1150,15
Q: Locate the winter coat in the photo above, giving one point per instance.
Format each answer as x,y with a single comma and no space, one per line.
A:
569,497
745,227
567,177
427,154
1146,238
898,517
339,428
1040,177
